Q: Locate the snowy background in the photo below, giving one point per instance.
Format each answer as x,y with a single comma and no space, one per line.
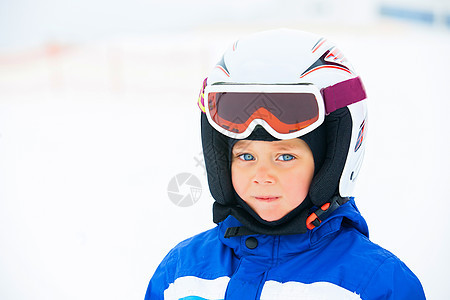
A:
98,113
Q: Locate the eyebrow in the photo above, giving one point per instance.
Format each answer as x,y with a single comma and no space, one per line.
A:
287,147
238,147
242,146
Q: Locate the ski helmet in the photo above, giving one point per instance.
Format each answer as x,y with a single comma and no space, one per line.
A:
290,83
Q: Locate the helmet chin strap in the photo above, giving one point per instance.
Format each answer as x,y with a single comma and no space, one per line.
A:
293,223
312,221
324,211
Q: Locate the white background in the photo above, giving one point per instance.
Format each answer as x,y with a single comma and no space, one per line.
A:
98,112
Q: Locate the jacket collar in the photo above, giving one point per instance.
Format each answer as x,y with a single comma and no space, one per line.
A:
270,246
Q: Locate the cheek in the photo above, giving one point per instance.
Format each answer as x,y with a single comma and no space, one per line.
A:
297,184
238,180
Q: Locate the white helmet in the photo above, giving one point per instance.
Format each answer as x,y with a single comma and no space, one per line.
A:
285,62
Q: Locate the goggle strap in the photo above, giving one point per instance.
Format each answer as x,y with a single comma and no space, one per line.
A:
201,97
343,94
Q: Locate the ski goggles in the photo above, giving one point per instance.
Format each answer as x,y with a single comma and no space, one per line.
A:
284,110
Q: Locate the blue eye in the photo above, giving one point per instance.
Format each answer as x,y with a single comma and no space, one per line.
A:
246,156
285,157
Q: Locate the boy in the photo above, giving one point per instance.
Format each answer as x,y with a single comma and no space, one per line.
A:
283,141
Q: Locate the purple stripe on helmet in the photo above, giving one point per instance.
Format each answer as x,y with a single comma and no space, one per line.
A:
343,94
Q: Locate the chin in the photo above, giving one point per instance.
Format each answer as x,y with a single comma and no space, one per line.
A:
271,217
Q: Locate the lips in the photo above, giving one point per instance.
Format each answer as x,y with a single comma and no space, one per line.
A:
267,198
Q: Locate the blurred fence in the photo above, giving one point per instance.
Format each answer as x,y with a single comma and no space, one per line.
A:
431,12
140,66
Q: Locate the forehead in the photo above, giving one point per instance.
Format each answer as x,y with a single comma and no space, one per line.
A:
291,144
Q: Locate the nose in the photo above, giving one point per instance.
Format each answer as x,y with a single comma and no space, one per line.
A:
264,175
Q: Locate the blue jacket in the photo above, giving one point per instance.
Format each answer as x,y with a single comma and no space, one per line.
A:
333,261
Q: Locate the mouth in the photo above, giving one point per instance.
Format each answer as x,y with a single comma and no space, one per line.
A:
267,198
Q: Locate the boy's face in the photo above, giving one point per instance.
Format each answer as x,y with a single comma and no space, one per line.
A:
273,178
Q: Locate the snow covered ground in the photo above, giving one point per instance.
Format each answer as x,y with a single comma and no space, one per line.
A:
91,135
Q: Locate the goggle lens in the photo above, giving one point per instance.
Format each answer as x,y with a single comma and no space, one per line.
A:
283,112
